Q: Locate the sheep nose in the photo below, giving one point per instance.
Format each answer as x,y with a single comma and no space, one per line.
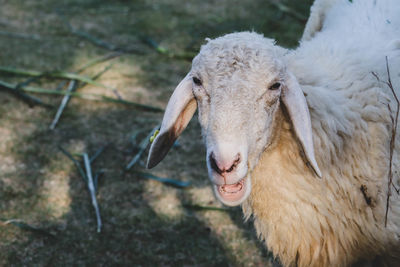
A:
224,166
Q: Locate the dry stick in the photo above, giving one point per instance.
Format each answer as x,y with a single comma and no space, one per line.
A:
131,50
142,148
97,153
116,93
96,179
135,135
71,88
99,60
92,190
393,138
97,41
392,141
90,64
77,164
30,100
163,51
93,97
73,84
20,35
24,226
54,74
61,85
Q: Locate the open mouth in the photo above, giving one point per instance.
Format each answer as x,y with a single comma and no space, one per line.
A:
233,194
231,189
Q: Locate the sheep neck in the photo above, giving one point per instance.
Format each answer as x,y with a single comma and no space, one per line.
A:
298,214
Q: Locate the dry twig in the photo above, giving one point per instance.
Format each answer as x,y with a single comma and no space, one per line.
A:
131,50
17,92
71,87
53,74
393,138
25,36
93,97
92,191
24,226
77,164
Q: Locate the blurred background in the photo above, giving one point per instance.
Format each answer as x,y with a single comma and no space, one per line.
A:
74,189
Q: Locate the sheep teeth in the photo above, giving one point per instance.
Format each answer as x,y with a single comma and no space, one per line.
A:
222,190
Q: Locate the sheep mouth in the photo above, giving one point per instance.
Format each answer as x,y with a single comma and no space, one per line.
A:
233,194
229,189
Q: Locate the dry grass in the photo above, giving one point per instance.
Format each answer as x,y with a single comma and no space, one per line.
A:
145,222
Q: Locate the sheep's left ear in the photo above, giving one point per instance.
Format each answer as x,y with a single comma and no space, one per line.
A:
180,109
293,98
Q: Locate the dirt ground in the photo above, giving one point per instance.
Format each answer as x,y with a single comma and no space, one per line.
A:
145,222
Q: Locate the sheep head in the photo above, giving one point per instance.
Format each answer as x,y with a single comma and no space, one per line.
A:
238,82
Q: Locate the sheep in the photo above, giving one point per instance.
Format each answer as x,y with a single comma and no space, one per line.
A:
301,138
317,17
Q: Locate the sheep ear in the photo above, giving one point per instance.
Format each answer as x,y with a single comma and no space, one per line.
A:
293,98
180,109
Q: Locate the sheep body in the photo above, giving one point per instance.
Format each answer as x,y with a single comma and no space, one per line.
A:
305,221
340,219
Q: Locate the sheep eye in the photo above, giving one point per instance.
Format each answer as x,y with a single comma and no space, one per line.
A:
275,86
197,81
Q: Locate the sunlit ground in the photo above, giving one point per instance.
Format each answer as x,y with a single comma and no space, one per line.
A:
145,222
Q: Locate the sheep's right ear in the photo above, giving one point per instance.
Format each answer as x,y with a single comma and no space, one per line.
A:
180,109
296,105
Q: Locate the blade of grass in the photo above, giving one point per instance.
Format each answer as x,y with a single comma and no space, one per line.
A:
92,190
90,64
89,37
55,74
199,207
142,147
96,179
92,97
20,35
77,164
97,154
99,60
24,226
168,181
134,136
30,100
164,51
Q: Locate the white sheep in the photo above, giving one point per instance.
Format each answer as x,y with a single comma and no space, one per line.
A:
301,138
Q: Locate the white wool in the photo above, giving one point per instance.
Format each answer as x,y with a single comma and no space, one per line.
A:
336,220
329,223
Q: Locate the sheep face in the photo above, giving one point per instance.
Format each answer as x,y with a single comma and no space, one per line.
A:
237,102
238,83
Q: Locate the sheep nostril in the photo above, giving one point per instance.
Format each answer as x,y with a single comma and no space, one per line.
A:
213,164
217,169
235,163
